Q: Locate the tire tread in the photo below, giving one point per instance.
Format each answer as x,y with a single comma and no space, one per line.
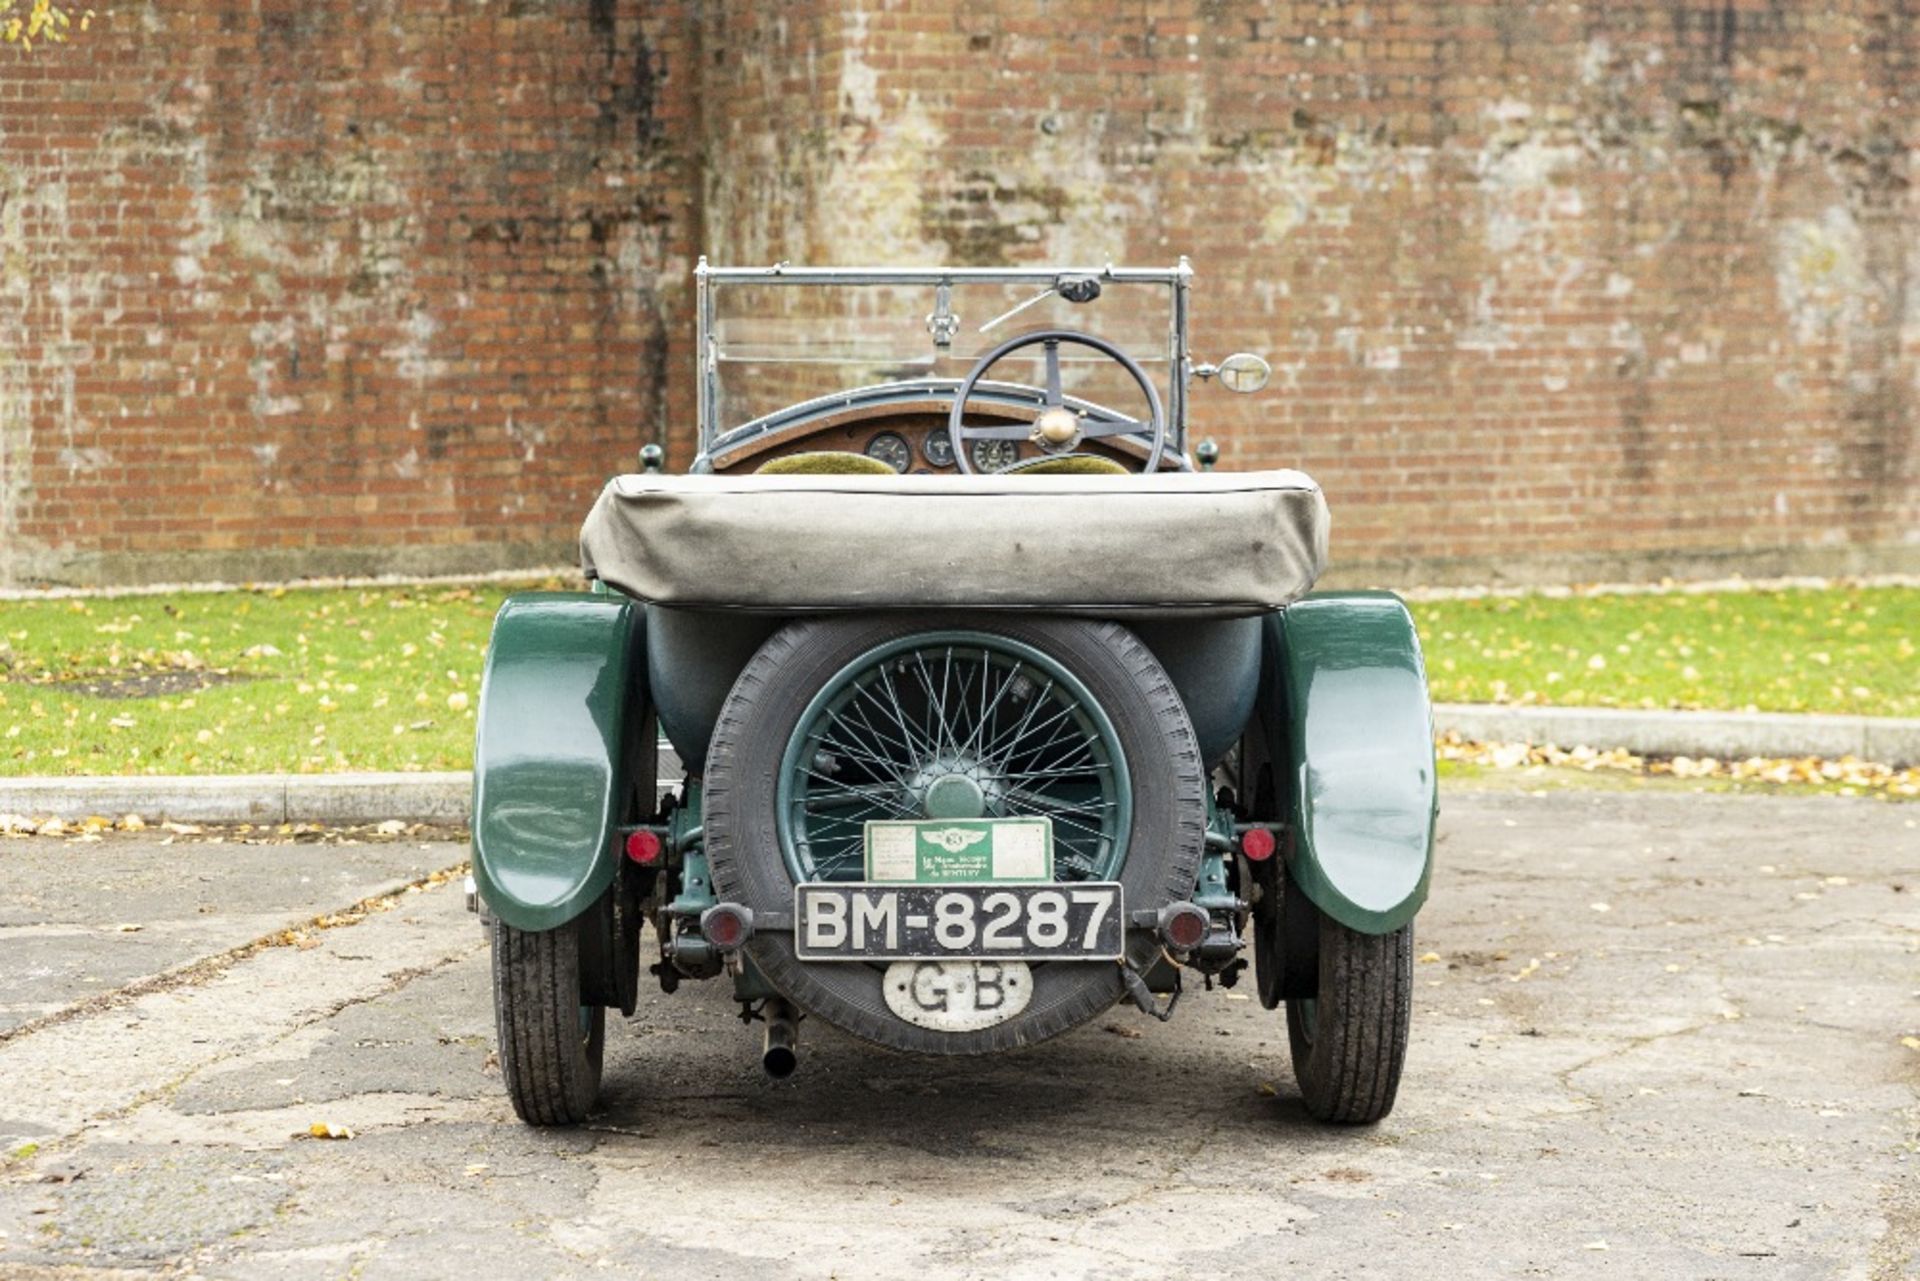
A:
1349,1063
552,1075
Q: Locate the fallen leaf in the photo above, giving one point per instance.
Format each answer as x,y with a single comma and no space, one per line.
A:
1266,1088
328,1130
1121,1029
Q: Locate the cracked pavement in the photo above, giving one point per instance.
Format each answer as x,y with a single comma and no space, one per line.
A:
1659,1035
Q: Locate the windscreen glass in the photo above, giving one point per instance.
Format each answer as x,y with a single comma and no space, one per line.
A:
776,345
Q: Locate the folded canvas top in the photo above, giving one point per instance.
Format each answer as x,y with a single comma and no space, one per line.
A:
1216,543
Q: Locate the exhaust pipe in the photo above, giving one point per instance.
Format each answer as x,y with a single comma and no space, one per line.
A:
781,1055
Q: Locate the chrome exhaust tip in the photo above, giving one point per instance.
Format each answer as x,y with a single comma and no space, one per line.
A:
781,1053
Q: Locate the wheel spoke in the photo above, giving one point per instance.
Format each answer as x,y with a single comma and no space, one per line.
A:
950,705
1075,771
937,724
905,745
985,711
1099,428
868,794
916,748
1055,804
1011,431
834,745
1019,745
990,751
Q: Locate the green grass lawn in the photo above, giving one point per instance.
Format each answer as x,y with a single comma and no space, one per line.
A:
388,678
1840,649
244,682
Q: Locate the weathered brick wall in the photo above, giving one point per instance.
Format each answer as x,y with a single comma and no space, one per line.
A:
1550,290
302,285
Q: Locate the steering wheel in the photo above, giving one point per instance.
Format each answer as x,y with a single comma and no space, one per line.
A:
1058,430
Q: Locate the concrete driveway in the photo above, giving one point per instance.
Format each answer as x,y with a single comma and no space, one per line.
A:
1658,1036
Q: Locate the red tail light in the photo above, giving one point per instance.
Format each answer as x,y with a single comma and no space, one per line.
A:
726,926
643,847
1183,925
1257,843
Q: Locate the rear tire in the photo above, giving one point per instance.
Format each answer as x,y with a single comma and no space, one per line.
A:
551,1045
1350,1041
1124,683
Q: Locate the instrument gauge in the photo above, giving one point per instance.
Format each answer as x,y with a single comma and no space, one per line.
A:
938,447
892,450
992,455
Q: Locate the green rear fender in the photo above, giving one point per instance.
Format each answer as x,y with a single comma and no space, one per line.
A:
565,680
1350,732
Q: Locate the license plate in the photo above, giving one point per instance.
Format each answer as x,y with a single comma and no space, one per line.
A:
877,922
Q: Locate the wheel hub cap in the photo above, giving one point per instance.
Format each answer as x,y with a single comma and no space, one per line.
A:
955,796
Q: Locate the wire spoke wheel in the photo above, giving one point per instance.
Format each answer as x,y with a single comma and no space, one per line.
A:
840,721
953,725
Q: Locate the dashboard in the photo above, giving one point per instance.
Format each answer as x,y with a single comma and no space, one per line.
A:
911,441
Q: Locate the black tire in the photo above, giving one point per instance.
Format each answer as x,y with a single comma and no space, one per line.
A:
1350,1041
743,847
551,1062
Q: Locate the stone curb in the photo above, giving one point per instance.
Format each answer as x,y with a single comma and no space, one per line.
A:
1723,735
445,798
247,798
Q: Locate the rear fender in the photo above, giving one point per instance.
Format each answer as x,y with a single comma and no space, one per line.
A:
1350,732
563,694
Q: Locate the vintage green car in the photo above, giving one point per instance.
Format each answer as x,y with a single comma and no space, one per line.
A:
952,710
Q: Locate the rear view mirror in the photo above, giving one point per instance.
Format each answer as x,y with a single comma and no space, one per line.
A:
1244,372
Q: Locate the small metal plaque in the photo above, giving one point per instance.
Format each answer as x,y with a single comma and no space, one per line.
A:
949,851
957,996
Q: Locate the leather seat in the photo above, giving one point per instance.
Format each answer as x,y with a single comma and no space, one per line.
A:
824,462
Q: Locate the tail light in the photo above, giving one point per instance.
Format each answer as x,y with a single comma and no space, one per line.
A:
727,926
1183,925
1257,844
643,847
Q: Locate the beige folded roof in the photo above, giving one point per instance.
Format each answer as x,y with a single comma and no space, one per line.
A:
1217,543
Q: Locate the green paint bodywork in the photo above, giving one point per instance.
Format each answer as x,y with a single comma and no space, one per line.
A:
1350,732
565,679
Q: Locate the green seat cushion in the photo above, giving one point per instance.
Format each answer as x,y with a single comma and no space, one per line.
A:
1079,466
825,462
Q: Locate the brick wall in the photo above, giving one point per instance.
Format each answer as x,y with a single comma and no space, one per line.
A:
1550,290
306,285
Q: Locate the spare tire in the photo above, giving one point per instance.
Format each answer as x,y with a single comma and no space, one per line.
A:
836,720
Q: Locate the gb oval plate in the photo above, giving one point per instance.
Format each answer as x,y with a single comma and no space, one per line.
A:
957,996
